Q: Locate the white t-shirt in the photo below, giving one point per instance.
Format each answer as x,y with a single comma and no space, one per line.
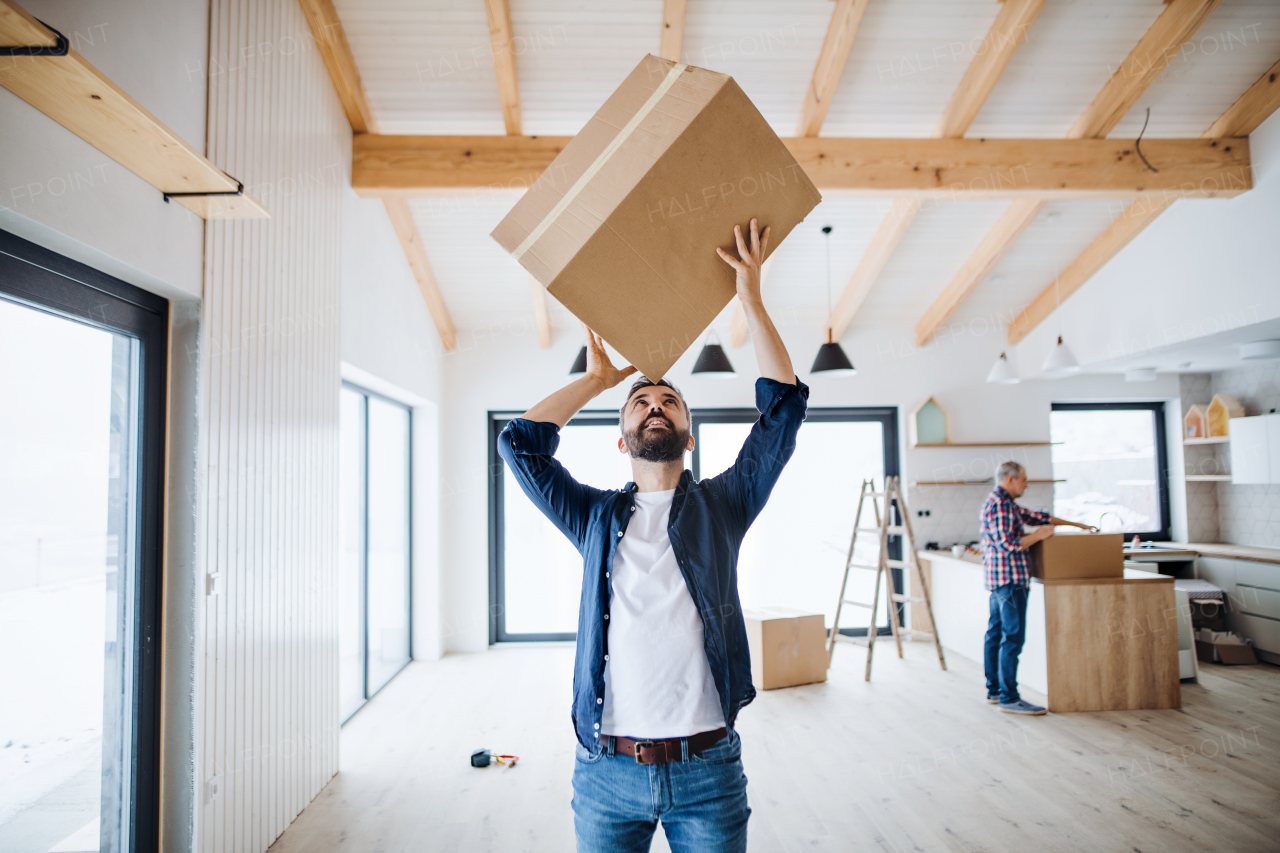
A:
657,681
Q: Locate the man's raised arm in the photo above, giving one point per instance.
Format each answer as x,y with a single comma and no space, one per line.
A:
601,375
771,354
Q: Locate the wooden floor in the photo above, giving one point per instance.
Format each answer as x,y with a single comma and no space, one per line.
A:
915,760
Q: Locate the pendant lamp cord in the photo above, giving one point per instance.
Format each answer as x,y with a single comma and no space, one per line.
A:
1138,143
830,331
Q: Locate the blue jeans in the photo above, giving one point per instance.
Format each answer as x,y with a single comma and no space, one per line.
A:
701,801
1005,632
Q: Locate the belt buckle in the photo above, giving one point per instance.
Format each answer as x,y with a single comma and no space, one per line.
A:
636,749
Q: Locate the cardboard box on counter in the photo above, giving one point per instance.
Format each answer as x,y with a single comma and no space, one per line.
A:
788,647
622,227
1078,555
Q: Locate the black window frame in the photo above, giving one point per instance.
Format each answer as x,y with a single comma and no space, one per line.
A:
42,280
886,415
1158,413
364,555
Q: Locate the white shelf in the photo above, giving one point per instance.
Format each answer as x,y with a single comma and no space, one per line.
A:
1208,478
1213,439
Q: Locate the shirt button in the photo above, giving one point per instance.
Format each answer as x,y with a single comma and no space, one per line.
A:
597,725
606,616
619,534
599,701
633,509
606,657
597,734
606,574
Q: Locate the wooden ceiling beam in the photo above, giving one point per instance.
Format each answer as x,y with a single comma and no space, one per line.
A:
71,91
331,41
1253,108
1148,59
845,19
1007,33
335,50
672,41
502,43
411,242
861,168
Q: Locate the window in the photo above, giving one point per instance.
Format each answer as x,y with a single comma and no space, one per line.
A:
82,378
1112,458
793,555
374,544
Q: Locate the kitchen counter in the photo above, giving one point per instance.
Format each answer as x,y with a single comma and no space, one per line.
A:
1092,644
1237,552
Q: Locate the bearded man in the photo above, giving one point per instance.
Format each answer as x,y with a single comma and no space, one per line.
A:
662,666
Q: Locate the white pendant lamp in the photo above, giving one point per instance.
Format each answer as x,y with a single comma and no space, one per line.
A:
1061,360
1003,372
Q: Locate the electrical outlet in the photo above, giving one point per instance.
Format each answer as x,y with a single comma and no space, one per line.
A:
213,583
211,789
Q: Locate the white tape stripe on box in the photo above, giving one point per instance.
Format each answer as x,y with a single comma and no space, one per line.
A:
613,146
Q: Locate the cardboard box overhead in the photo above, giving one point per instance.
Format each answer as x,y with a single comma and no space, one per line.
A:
1078,555
622,227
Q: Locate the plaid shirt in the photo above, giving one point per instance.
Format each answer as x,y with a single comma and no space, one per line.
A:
1001,534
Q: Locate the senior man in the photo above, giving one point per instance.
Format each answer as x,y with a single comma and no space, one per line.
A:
1004,557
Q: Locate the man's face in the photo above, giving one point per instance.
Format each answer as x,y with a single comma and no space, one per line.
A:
1015,485
655,427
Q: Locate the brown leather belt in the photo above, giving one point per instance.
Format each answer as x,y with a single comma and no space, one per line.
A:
664,751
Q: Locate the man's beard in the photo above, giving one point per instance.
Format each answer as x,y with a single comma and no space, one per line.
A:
656,445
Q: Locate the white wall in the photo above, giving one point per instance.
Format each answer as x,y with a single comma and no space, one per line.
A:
390,345
267,526
507,371
61,192
1204,266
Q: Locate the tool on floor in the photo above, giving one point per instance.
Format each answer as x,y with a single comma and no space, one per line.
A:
481,758
885,528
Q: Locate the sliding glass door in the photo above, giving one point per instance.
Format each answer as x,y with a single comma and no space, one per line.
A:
82,367
375,541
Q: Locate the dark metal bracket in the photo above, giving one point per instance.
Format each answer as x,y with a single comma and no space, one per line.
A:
239,190
59,49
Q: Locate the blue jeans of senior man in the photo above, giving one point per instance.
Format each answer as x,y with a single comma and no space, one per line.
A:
1006,631
701,801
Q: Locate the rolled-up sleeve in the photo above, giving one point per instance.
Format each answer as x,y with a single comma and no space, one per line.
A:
1034,516
770,444
529,447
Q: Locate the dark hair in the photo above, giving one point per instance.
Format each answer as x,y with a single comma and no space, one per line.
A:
646,382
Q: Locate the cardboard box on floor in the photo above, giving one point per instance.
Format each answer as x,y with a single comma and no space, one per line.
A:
1223,647
788,647
622,227
1077,554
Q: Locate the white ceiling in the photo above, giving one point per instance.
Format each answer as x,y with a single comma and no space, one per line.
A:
428,71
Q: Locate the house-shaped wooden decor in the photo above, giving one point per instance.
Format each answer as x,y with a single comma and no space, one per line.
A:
929,424
1223,408
1196,423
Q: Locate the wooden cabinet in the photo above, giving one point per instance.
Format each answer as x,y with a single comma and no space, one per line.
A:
1112,644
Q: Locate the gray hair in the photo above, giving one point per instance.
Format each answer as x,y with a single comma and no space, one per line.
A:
1009,469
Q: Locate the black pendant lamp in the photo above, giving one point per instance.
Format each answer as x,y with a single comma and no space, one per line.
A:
712,361
580,363
831,359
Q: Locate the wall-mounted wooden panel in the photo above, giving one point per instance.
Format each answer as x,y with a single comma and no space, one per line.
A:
270,374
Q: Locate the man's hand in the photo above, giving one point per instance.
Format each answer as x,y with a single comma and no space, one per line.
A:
1037,535
747,264
599,367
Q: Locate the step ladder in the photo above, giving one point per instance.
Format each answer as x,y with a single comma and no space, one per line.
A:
884,528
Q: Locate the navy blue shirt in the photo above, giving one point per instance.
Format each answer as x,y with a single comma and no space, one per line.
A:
708,520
